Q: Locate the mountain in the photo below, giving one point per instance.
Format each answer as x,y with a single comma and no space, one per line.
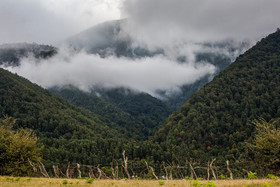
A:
214,123
149,110
109,38
216,120
131,121
138,114
69,133
10,54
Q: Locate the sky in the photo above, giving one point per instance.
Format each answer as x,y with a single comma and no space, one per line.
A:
48,21
180,27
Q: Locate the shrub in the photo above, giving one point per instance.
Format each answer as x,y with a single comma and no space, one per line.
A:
64,181
270,176
252,175
161,183
188,178
197,183
222,177
89,180
210,183
16,148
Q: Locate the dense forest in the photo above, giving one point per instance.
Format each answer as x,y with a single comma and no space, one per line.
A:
217,122
139,113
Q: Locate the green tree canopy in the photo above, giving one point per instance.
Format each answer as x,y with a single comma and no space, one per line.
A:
264,149
16,148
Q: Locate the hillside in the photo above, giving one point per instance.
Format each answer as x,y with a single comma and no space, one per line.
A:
137,115
216,121
68,133
108,39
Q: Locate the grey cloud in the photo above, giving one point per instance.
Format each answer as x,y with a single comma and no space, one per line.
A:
179,27
86,71
161,22
50,21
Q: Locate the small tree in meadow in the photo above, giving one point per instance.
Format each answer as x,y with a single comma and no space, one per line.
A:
16,147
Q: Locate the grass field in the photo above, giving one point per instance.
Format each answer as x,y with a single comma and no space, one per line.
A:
42,182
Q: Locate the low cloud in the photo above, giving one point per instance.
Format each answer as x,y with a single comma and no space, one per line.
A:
87,71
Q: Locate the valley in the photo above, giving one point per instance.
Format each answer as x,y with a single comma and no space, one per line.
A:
158,98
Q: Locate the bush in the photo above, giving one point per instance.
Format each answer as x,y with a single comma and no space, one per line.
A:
222,177
270,176
252,175
89,180
210,183
17,147
64,182
197,183
161,183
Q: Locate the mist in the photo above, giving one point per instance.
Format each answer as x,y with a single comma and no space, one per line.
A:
86,71
180,28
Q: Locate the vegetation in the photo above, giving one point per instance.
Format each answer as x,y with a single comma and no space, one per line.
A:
34,182
216,121
264,148
17,148
252,175
69,133
213,127
137,115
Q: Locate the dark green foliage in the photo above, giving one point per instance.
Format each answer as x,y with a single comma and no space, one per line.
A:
127,112
69,133
17,148
147,109
216,120
89,180
263,150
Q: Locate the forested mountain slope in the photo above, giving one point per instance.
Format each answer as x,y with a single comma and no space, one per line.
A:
111,39
217,120
137,115
68,133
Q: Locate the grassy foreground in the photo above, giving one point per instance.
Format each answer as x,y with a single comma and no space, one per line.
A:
41,182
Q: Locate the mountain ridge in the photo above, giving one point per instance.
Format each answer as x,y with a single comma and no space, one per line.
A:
215,121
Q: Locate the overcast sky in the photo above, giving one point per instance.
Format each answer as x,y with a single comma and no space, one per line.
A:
177,26
165,21
49,21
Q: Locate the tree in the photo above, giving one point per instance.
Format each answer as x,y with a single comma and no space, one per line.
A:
17,148
264,149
